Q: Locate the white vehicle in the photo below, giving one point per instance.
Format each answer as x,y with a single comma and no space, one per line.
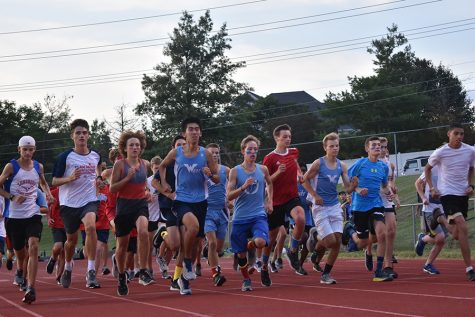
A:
415,166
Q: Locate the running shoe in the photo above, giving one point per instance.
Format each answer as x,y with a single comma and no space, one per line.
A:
272,267
219,279
66,278
265,278
420,244
24,286
30,295
145,278
188,275
106,271
166,275
91,281
436,213
347,232
471,275
312,239
50,265
279,264
429,268
393,259
58,280
122,287
293,258
174,286
301,271
19,279
184,285
368,261
327,279
258,266
317,267
246,285
162,263
381,276
390,271
115,269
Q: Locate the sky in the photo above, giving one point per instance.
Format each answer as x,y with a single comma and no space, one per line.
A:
102,81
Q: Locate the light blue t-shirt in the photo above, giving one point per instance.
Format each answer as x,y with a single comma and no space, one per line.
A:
190,183
371,175
250,203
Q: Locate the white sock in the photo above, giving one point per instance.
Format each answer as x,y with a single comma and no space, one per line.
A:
91,265
468,269
68,266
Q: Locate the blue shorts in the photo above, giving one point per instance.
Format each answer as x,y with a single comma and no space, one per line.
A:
216,221
256,228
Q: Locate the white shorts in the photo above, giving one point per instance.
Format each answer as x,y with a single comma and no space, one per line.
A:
328,219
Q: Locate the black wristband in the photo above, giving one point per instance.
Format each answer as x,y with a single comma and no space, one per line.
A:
100,177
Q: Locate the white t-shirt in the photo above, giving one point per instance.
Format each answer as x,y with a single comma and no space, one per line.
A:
453,168
433,204
153,206
81,191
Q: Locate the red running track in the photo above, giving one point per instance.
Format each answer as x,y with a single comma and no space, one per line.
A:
414,293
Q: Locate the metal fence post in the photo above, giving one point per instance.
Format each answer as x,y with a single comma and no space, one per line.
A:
413,225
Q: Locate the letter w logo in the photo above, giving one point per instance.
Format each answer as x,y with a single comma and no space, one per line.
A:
333,178
190,168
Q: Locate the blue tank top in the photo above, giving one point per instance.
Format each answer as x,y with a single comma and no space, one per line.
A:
190,183
327,180
303,201
250,203
217,192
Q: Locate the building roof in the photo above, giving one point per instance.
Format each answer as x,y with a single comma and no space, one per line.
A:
298,97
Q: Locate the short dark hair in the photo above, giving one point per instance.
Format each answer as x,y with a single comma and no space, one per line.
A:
189,120
342,192
178,137
213,145
282,127
79,123
455,125
371,138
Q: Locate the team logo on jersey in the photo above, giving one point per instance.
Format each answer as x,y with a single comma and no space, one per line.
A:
333,178
252,189
192,168
374,170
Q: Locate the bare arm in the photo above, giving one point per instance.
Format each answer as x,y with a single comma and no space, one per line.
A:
44,186
232,192
116,182
270,189
350,185
469,190
420,190
7,172
213,167
59,181
311,173
162,169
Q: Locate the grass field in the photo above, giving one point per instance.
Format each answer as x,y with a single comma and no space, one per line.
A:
408,224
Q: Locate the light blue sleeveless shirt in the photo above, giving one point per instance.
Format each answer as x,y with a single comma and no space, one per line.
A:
250,203
190,181
327,180
217,192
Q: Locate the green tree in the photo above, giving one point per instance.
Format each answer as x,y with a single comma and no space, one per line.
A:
406,92
196,82
100,138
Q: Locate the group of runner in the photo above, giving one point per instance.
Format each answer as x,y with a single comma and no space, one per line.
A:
190,196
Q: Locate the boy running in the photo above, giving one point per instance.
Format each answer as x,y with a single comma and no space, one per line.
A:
21,178
247,186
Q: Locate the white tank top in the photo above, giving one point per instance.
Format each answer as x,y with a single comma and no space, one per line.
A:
25,183
387,203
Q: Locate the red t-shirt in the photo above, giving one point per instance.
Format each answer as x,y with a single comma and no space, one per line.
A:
54,207
285,185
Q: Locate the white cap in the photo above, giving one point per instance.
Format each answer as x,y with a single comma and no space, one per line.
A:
26,141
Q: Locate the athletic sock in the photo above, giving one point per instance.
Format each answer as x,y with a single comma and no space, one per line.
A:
265,260
242,262
468,269
379,263
177,274
188,264
68,266
91,265
294,244
327,269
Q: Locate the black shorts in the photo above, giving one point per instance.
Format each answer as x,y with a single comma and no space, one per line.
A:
128,211
454,206
197,209
59,235
22,229
152,226
102,235
364,221
2,246
170,216
72,217
132,246
391,210
277,217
